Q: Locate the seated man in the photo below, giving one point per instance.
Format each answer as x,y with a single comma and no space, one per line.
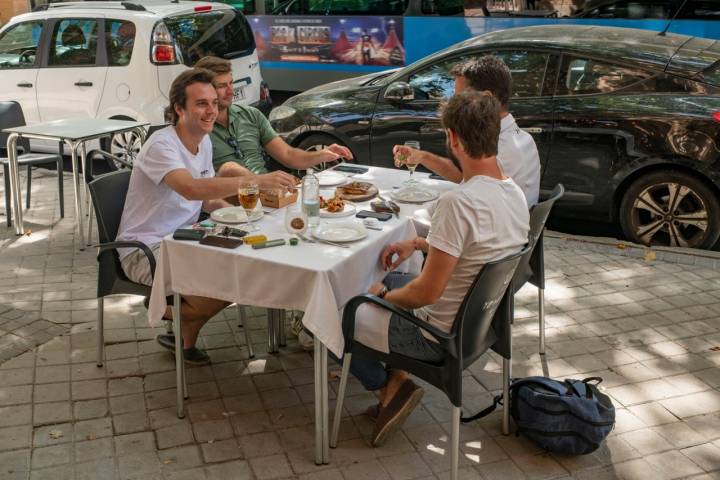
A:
484,219
171,181
242,132
517,154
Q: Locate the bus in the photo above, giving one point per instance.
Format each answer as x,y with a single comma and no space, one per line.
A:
305,43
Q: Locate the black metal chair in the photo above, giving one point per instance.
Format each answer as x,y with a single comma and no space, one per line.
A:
532,265
11,115
482,322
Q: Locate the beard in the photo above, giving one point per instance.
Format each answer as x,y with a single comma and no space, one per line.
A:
452,156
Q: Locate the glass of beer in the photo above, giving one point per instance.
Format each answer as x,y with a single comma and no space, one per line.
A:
248,195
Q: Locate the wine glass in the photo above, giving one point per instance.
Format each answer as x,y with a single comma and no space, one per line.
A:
411,166
248,195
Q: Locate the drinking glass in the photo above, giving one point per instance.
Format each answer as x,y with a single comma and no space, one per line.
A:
296,221
411,166
248,196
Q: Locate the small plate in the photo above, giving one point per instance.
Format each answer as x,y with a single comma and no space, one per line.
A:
345,212
330,178
414,195
340,232
233,215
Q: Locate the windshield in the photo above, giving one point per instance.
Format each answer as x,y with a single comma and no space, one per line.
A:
222,33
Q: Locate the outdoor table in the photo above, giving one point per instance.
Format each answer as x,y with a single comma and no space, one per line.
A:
315,278
74,132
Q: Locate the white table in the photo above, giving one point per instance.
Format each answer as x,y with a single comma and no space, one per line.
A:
317,279
74,132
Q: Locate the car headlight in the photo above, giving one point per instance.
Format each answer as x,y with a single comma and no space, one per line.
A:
281,112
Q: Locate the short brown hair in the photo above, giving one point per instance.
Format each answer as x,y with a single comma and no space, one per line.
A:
217,66
475,118
487,73
178,90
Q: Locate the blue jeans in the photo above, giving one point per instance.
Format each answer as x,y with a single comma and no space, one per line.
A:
403,337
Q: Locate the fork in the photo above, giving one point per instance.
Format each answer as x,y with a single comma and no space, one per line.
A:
327,242
393,206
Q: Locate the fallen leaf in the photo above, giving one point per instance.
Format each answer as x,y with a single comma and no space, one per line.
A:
621,246
715,349
55,434
168,461
90,436
650,255
28,232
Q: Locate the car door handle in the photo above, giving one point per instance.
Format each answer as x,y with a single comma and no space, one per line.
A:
532,130
83,84
25,84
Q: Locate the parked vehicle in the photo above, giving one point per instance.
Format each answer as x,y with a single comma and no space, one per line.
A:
642,9
118,59
627,120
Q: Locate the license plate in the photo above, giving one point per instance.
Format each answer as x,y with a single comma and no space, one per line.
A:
238,94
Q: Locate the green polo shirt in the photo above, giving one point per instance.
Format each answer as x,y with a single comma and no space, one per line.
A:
251,131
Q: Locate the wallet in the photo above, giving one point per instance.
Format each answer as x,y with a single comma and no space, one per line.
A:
188,234
222,242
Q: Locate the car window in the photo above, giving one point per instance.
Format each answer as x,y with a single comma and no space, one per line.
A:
584,76
527,69
19,43
435,82
222,33
74,42
119,41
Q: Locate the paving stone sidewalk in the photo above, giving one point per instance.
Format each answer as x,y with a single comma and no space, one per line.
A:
650,329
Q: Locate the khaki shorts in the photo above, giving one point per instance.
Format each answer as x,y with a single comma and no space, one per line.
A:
137,267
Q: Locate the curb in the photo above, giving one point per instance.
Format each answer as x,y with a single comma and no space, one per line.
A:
684,256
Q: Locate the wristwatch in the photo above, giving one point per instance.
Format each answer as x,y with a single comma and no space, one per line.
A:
382,292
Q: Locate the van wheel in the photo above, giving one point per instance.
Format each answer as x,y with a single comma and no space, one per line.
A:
125,146
671,208
316,142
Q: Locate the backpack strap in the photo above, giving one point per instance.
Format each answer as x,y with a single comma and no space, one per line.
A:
498,400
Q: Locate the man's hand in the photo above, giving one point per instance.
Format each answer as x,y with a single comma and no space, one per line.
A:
376,288
403,250
276,181
402,154
340,151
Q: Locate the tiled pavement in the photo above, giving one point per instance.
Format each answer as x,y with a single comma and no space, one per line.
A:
650,329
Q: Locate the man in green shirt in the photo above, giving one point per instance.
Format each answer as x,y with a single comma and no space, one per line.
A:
241,133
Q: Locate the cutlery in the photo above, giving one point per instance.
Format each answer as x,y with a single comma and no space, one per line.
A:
327,242
393,206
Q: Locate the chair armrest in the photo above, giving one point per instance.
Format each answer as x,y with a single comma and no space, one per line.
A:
104,247
348,322
109,156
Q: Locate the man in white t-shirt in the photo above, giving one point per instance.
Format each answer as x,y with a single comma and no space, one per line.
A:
517,153
485,219
171,182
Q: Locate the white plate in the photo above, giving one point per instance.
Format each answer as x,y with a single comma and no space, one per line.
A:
340,232
232,215
415,195
346,212
330,178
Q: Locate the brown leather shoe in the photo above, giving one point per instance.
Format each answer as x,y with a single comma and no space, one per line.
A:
394,414
373,411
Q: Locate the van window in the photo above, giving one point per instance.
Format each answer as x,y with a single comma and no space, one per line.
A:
19,43
119,41
74,42
221,33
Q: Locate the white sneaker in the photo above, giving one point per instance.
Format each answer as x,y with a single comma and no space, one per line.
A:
306,341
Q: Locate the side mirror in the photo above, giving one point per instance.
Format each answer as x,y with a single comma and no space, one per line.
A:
399,92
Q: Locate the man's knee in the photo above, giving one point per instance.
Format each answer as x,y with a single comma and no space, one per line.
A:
232,169
202,308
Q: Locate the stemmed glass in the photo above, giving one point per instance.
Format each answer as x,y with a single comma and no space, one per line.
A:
411,166
248,196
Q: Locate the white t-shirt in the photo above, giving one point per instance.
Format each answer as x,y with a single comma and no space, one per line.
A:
483,220
517,157
153,209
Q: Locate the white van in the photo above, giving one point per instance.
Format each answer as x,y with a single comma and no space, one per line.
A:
118,59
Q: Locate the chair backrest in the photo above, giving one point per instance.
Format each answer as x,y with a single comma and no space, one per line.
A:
538,216
476,313
108,195
11,115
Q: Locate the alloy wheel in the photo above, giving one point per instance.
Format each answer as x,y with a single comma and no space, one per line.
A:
125,146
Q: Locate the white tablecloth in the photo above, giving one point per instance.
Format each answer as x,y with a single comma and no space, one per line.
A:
315,278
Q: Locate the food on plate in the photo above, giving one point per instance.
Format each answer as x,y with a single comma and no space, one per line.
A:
354,188
333,205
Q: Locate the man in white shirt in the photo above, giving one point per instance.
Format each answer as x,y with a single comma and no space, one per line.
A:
485,219
517,153
171,182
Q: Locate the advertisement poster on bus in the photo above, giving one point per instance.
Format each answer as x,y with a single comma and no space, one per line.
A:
376,40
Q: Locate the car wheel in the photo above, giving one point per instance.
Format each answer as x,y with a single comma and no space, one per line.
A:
125,146
317,142
671,208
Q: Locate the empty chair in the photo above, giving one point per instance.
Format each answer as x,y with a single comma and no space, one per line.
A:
11,115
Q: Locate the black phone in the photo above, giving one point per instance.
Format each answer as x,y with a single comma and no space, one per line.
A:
350,169
222,242
382,216
435,176
188,234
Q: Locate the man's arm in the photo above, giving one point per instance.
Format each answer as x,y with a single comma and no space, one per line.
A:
435,163
212,205
299,159
429,286
214,188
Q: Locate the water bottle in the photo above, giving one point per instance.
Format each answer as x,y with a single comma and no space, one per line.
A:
311,198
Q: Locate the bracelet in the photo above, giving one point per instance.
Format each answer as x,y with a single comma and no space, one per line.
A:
383,292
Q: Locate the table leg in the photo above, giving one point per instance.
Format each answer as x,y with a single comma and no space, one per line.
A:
282,316
78,202
318,403
179,364
325,407
272,348
15,183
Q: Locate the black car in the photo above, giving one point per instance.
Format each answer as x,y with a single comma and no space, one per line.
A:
627,120
641,9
